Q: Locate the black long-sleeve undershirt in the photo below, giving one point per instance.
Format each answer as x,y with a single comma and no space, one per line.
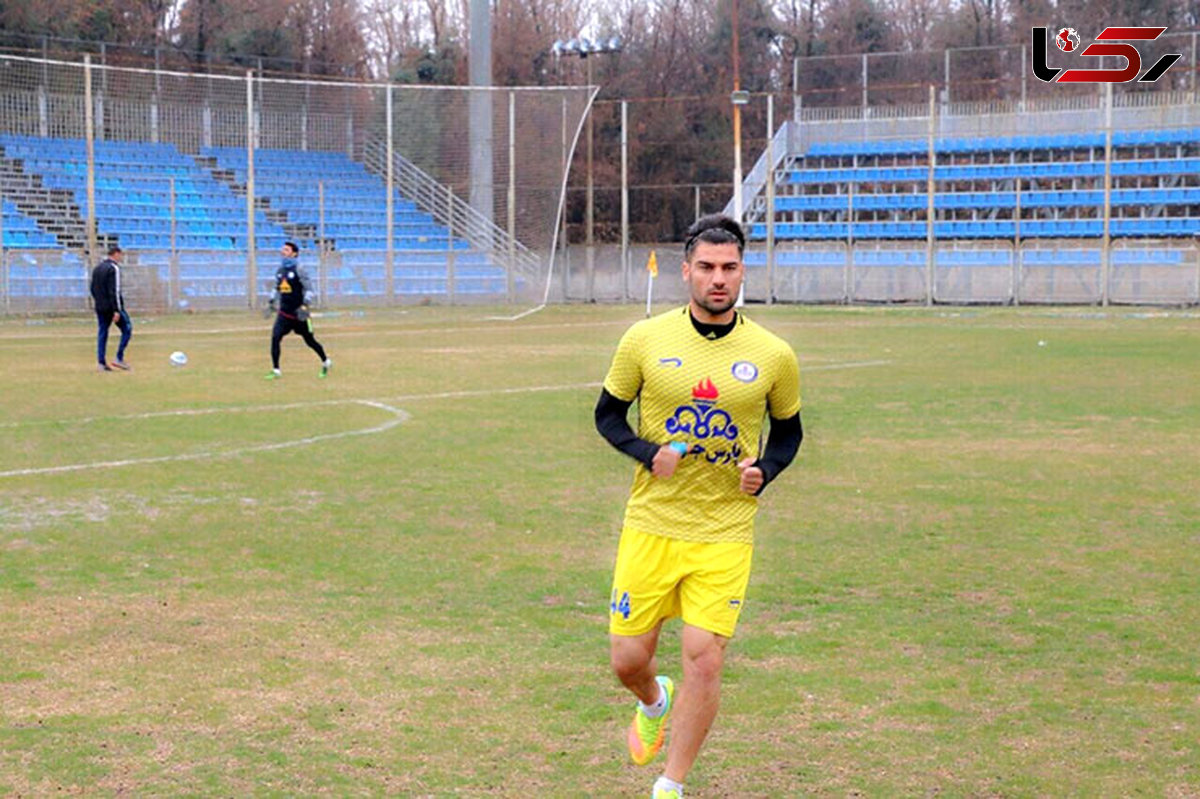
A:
612,422
783,442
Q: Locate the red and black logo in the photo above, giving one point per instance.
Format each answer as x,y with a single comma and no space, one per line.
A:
1067,41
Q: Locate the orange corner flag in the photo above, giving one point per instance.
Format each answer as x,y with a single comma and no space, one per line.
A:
652,265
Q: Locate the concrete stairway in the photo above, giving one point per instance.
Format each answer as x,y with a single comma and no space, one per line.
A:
54,210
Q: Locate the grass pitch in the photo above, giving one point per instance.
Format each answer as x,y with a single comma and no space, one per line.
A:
978,579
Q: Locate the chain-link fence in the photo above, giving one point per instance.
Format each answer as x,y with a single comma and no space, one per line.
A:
394,193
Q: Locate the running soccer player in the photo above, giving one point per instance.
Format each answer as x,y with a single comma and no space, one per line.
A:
293,291
704,377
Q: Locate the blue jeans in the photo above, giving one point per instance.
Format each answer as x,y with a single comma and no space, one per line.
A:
124,324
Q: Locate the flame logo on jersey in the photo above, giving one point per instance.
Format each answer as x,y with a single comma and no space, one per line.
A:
702,418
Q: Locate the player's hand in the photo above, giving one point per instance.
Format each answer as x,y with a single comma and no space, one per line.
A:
665,461
117,316
752,477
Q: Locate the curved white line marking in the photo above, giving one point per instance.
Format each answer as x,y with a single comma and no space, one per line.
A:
398,416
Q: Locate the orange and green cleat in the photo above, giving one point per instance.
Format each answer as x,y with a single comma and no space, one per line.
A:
646,734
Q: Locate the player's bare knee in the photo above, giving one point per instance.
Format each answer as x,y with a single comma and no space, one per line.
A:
704,663
628,663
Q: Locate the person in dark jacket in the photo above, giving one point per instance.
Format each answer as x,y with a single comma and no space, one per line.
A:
110,307
294,290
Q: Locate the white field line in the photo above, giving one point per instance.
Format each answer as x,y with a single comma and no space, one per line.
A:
332,329
846,365
515,317
398,416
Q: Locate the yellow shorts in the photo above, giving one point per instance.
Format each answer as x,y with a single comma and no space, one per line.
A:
659,578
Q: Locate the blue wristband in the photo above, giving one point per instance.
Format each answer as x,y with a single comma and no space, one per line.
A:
679,447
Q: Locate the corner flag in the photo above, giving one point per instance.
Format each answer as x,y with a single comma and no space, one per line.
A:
652,270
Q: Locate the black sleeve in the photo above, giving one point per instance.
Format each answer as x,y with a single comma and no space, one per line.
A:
782,444
613,424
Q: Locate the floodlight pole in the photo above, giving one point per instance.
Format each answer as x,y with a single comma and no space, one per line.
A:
625,200
737,122
584,48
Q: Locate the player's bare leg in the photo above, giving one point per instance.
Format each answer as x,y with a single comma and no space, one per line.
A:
699,698
634,663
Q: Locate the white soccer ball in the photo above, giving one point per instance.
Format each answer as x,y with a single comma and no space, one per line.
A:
178,358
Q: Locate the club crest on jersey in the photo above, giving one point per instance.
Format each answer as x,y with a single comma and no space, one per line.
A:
745,371
702,418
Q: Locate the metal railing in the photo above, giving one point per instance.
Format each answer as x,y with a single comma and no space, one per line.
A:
451,211
755,183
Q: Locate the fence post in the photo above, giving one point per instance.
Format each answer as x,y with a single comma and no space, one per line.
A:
90,141
795,89
850,235
390,257
154,100
929,197
946,75
1194,66
1106,244
251,237
450,243
1196,255
770,199
103,90
1018,256
322,248
625,200
590,199
512,196
1024,80
173,260
4,263
566,242
864,82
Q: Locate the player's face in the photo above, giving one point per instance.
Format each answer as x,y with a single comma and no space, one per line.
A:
714,277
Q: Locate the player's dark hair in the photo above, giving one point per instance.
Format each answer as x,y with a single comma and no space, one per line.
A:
114,249
292,246
714,229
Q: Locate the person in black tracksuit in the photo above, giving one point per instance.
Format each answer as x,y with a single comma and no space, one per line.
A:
110,307
294,289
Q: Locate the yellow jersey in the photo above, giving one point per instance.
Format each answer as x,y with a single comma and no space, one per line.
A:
712,395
